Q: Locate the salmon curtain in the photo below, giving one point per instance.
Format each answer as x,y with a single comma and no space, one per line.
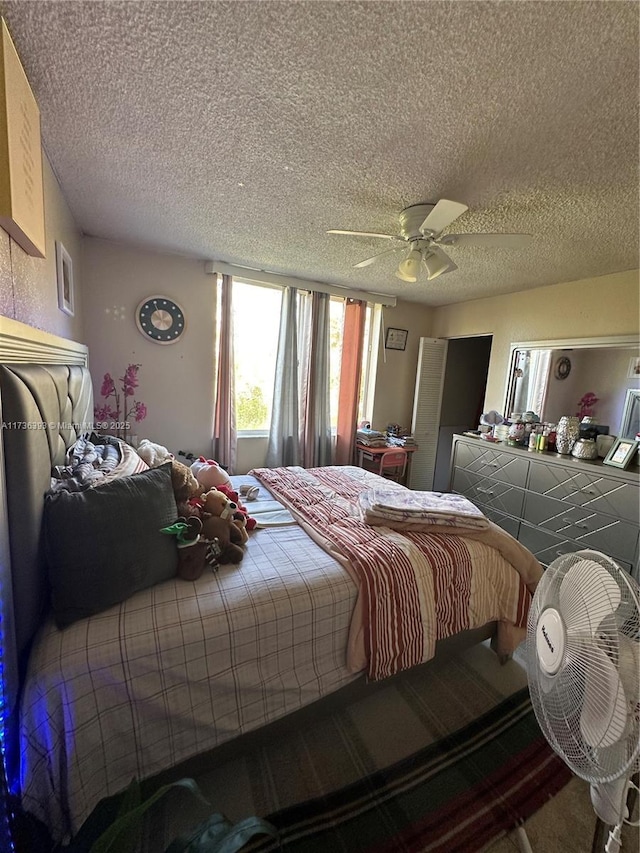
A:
225,439
350,371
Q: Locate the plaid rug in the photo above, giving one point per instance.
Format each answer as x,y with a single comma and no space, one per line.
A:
443,757
455,795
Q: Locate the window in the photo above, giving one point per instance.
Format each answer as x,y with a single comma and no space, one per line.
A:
256,321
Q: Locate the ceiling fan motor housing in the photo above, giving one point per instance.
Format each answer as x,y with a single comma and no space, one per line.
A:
412,218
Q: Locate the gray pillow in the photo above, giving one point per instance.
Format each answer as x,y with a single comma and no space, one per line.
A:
104,544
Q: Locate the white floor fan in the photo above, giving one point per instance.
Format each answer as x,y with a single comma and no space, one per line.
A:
583,668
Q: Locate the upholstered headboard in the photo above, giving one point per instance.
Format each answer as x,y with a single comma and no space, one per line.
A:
44,405
44,409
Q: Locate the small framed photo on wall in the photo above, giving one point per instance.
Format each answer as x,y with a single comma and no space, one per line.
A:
633,371
396,339
64,271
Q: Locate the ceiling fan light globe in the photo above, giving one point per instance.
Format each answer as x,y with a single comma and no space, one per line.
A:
435,266
404,277
409,268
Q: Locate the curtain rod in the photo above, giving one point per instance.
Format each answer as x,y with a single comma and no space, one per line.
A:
252,276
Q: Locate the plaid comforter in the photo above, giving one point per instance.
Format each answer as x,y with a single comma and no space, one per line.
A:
416,586
178,669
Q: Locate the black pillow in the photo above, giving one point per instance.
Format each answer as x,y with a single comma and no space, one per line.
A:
104,544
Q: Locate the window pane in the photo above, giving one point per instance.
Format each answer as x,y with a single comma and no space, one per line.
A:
256,322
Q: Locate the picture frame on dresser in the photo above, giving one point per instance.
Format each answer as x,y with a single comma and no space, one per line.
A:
621,453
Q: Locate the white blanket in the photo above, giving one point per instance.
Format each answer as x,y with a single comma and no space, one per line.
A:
379,505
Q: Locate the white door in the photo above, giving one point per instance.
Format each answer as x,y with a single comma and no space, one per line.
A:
432,360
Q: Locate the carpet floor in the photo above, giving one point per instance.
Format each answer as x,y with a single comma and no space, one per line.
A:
336,743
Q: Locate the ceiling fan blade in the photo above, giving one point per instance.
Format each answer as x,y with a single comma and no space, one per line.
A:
505,241
366,234
437,262
442,215
368,261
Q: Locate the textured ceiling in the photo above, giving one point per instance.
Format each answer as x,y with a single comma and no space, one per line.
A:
242,131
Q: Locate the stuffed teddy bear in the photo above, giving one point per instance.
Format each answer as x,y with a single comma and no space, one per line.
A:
209,474
220,534
241,513
194,552
185,485
214,504
153,454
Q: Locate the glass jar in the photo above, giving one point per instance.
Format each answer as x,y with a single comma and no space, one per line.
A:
567,433
585,448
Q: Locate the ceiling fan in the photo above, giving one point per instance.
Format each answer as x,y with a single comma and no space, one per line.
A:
421,227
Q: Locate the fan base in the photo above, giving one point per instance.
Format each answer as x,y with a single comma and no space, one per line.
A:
411,218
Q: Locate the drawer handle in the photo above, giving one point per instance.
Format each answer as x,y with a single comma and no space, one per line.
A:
561,553
588,491
493,464
575,524
485,491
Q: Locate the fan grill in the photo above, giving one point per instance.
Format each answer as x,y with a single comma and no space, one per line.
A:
590,710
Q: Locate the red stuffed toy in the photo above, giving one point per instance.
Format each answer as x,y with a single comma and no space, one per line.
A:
232,494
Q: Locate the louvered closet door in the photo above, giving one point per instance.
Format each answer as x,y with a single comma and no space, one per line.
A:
432,359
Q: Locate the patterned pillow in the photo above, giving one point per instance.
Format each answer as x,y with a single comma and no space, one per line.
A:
130,463
93,460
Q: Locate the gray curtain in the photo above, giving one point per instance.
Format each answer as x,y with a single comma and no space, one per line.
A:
284,444
315,431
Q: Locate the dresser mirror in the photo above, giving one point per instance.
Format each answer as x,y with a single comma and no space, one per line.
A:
556,378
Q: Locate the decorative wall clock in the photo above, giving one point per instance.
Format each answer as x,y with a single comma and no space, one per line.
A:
563,367
160,319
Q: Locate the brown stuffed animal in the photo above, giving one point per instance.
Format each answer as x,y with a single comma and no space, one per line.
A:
216,502
219,533
193,550
217,523
185,485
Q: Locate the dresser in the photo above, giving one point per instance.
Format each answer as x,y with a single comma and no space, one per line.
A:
552,504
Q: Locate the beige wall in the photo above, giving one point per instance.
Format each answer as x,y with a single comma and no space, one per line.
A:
593,307
394,384
396,369
28,286
176,381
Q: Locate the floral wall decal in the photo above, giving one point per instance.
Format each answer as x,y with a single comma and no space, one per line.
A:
118,409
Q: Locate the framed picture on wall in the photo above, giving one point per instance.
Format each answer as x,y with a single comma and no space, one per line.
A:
396,339
633,371
64,270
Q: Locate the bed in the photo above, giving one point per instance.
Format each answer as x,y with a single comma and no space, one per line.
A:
178,668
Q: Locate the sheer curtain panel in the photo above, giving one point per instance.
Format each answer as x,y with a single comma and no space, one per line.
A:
284,443
350,371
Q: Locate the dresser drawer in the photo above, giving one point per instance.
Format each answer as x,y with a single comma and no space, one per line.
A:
488,493
586,489
547,547
587,528
506,522
488,461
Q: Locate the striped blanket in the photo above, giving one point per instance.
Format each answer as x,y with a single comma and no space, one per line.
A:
415,587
